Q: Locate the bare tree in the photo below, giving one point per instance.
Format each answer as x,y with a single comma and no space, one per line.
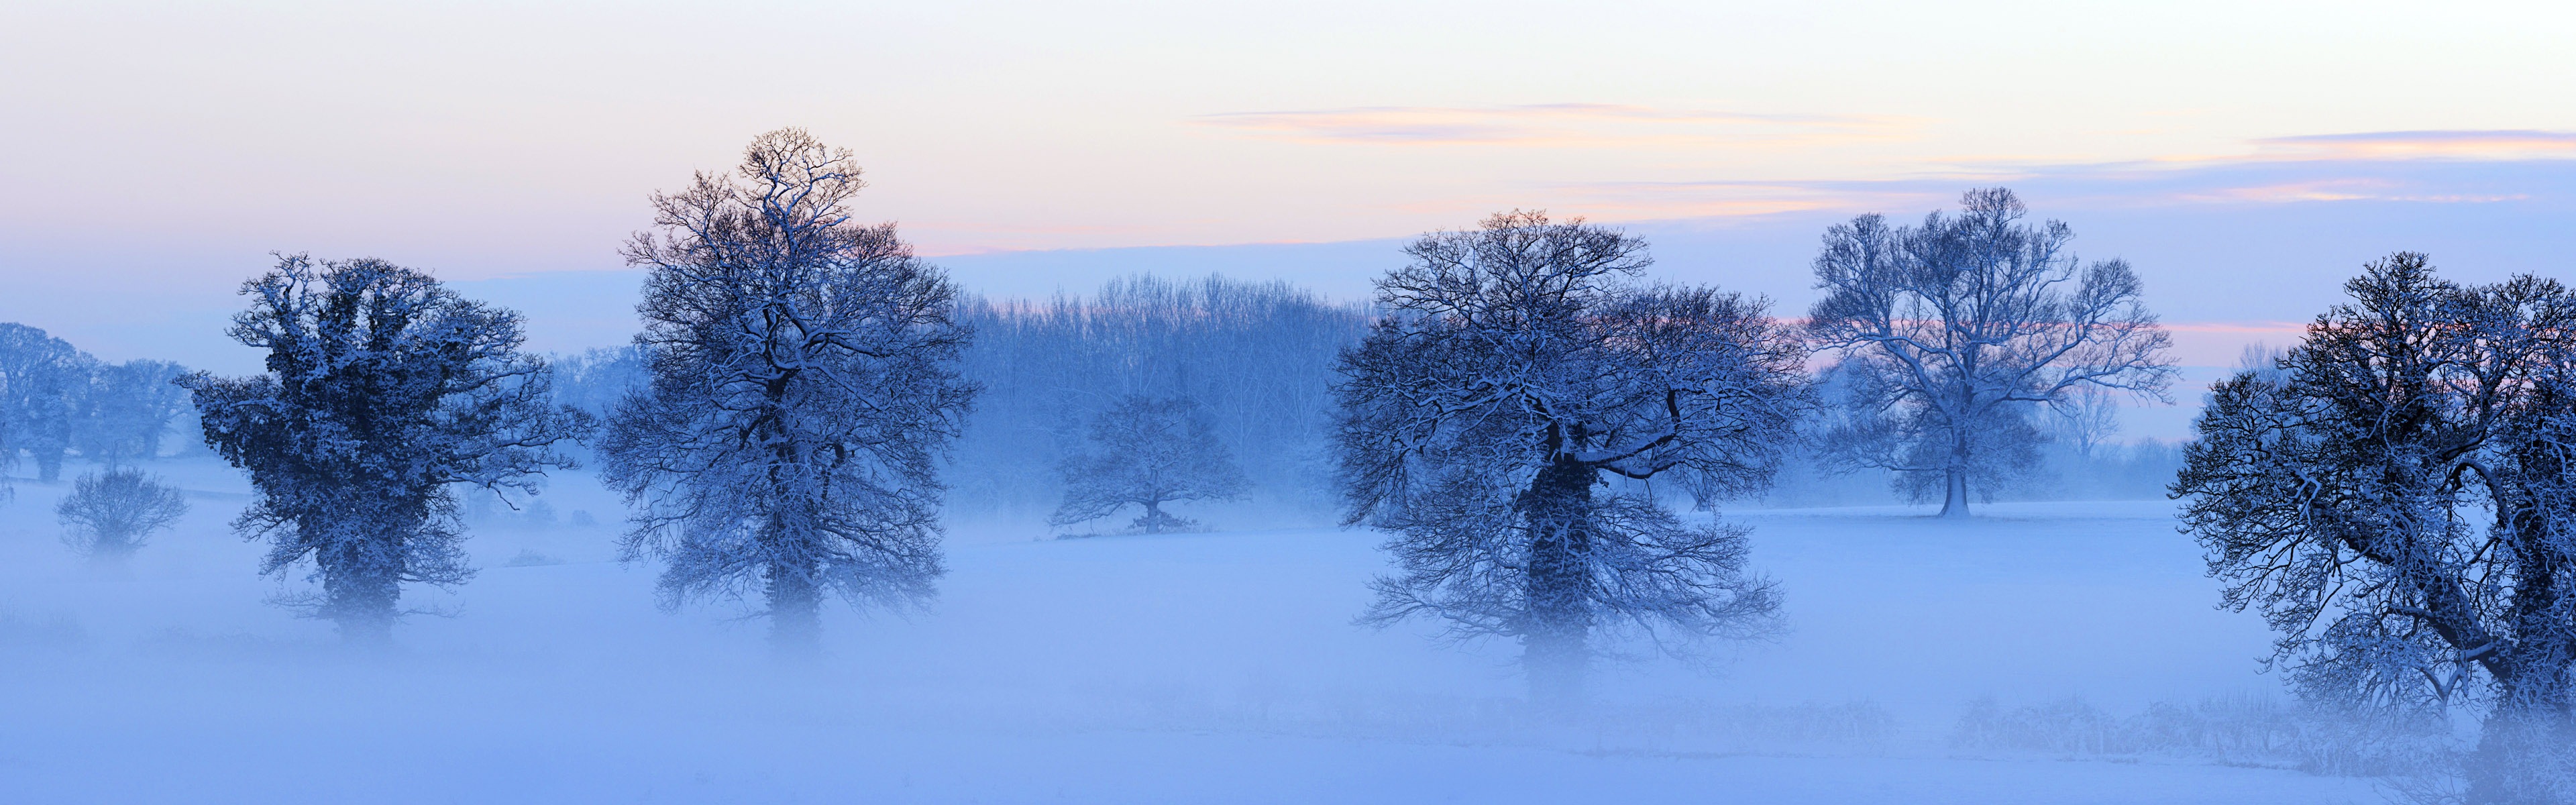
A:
108,515
1517,367
2397,496
384,391
1947,333
2084,419
802,388
1149,451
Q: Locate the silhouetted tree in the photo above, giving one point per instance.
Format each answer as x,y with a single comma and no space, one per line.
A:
1148,451
1947,334
2397,496
802,387
383,391
1517,366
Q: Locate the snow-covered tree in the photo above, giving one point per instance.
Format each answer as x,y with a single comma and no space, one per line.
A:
1148,451
126,409
1947,334
42,379
109,514
1519,365
384,391
2395,495
803,386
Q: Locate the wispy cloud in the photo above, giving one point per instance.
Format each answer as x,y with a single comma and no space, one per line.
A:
1551,125
2511,144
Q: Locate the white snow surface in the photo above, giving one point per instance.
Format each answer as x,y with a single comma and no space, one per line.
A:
1218,667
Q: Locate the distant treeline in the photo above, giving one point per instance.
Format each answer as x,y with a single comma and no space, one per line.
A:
1258,359
57,402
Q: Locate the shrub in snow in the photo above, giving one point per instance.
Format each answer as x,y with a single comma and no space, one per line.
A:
108,515
1948,334
1146,452
803,384
2397,495
530,557
2243,731
383,392
1518,365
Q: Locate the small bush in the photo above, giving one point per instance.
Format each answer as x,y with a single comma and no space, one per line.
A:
2242,731
108,515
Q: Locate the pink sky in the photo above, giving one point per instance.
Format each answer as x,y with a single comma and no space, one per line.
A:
2244,155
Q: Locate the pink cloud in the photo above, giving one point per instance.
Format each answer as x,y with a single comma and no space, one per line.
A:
2499,144
1550,125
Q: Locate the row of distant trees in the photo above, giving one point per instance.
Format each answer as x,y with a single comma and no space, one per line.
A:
778,426
1253,364
2394,493
57,401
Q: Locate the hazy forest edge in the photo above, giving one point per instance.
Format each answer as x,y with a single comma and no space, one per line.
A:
1555,447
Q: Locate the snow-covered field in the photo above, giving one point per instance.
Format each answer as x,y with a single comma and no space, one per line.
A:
1214,667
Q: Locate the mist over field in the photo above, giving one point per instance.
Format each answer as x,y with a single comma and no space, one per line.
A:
2059,646
1219,666
999,401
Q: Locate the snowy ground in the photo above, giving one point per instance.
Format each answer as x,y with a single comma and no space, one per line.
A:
1198,668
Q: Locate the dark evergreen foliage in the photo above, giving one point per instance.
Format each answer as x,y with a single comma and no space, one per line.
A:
384,391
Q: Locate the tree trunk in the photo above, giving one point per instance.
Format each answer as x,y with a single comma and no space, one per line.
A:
1555,637
2523,756
49,464
360,600
1153,517
1954,480
795,613
1954,495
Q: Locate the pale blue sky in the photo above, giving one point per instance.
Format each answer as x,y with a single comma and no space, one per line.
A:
2245,155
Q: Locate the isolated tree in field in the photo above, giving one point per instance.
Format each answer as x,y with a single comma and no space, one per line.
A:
1947,334
41,381
384,391
126,409
1148,451
109,514
802,387
2395,495
1519,366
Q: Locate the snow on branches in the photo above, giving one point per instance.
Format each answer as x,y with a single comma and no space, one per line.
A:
383,389
802,384
1519,365
2395,496
1948,333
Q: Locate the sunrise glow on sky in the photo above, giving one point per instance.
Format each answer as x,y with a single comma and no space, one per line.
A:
2242,154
